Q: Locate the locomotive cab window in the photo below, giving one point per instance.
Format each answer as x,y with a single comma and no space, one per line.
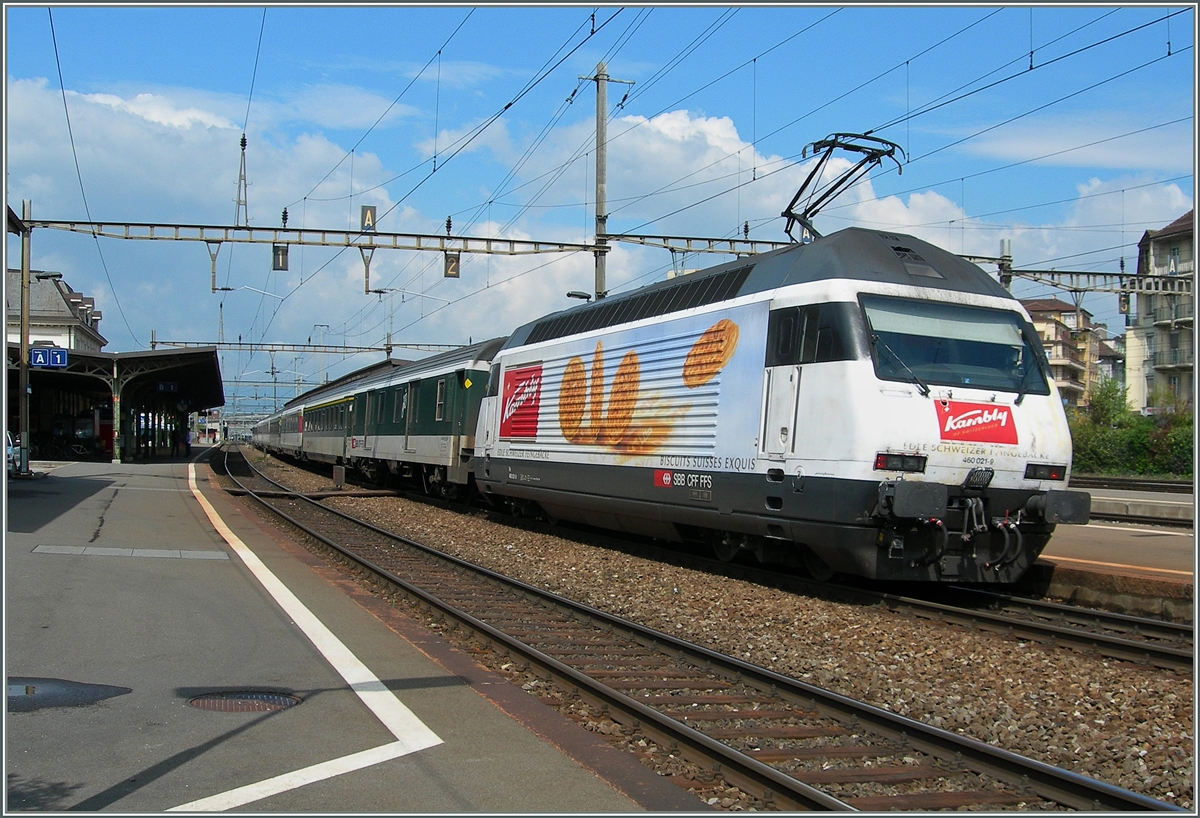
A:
930,342
813,334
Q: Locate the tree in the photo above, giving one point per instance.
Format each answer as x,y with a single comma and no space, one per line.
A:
1108,406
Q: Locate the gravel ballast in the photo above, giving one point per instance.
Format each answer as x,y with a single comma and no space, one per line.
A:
1126,724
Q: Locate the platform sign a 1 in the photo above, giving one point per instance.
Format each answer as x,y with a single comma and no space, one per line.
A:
49,357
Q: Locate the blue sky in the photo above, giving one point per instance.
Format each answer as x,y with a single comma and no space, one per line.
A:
1071,160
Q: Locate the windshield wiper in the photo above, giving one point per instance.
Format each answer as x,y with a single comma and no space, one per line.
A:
921,385
1022,390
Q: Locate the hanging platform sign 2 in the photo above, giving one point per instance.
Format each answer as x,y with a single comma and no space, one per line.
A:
452,260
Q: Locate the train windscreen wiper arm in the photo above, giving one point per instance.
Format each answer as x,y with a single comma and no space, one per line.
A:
921,385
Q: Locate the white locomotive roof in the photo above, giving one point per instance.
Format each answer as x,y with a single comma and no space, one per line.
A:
853,253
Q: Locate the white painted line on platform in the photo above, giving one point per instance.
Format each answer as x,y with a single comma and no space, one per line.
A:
1117,565
291,781
154,553
1142,530
410,732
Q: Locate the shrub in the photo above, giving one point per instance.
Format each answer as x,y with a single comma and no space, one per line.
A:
1128,443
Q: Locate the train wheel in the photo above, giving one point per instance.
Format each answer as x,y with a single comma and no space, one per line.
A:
726,549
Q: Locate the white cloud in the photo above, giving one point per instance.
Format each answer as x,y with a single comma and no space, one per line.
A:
157,109
495,138
172,156
336,106
1058,139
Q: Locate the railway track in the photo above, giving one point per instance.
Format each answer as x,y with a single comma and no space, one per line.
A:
791,744
1117,636
1141,640
1096,481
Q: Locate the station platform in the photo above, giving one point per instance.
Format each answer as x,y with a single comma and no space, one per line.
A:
132,589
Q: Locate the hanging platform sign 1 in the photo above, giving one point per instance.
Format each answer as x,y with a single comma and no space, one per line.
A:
49,357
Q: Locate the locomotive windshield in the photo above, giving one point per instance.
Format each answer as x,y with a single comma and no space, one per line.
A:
930,342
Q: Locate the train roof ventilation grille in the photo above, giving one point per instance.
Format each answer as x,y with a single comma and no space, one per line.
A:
906,253
686,295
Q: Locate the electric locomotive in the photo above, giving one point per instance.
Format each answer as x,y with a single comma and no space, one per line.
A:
865,403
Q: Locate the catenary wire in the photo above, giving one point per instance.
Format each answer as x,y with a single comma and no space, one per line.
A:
529,86
394,103
79,176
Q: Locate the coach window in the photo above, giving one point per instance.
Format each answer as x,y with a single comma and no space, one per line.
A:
397,406
440,406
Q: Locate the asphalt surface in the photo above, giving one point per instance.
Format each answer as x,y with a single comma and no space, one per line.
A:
123,602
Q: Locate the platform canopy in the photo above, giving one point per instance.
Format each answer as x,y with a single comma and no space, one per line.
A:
180,380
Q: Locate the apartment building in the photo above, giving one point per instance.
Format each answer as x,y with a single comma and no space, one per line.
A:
1073,345
1160,345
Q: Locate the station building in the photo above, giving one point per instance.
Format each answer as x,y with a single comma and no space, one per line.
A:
100,405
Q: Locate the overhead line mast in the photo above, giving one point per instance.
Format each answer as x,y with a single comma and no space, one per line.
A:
602,80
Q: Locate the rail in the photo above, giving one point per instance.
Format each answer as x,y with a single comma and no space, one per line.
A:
557,622
1100,481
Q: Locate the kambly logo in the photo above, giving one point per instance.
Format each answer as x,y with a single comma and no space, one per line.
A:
522,400
975,422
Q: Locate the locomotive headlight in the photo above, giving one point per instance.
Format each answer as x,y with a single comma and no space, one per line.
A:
885,461
1041,471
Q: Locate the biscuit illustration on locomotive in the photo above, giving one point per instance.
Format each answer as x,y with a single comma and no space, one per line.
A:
710,353
604,428
618,428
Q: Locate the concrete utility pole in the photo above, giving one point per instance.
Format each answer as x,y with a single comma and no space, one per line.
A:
602,80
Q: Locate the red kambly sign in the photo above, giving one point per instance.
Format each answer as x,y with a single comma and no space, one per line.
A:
522,399
975,422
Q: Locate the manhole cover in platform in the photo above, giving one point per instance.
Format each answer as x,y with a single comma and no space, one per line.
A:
244,702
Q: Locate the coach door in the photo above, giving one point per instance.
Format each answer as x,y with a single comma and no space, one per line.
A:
349,431
372,418
410,416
